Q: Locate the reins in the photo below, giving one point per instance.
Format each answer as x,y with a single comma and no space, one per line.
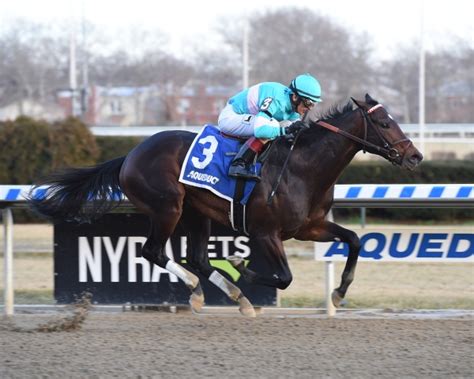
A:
391,152
388,149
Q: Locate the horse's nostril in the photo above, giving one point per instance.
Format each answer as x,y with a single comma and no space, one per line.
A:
416,158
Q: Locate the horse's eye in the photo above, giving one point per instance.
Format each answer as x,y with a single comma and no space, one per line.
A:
384,124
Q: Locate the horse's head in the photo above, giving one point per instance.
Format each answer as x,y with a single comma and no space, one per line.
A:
383,131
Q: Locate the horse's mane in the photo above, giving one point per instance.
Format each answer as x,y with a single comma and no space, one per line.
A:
336,111
315,133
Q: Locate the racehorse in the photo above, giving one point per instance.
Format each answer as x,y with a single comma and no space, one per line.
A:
149,174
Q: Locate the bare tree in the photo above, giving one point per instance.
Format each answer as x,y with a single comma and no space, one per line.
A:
283,43
400,75
29,61
449,83
286,42
136,57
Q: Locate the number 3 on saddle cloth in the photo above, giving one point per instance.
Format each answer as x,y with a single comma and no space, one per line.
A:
206,166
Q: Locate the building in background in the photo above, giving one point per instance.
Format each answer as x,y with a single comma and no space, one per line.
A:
453,101
48,111
197,105
119,106
153,105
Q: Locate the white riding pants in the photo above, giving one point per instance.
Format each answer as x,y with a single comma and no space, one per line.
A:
242,125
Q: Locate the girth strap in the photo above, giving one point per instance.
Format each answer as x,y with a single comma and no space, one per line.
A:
237,216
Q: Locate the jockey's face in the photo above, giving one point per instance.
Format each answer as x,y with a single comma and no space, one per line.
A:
303,104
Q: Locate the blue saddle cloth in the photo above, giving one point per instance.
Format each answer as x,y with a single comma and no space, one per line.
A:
207,163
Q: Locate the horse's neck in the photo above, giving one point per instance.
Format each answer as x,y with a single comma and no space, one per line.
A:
332,153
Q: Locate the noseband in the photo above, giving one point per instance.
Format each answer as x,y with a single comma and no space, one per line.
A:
387,149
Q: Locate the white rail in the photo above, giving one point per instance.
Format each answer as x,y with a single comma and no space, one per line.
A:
345,195
8,260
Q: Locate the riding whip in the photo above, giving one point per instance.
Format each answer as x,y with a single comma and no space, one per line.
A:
275,186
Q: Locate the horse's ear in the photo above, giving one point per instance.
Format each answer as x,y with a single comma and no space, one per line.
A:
369,100
357,102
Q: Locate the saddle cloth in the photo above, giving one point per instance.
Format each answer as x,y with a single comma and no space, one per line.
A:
207,163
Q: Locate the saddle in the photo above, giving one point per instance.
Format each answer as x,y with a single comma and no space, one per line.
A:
206,166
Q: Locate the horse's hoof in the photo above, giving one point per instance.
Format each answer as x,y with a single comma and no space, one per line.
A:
246,308
235,260
196,302
336,299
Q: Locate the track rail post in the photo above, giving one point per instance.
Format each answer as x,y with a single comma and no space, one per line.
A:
330,308
8,260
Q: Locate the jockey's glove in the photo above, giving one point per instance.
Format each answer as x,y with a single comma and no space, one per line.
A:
296,127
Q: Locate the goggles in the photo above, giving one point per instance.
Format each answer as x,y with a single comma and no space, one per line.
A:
307,102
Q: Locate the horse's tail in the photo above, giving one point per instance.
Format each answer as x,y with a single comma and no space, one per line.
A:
79,194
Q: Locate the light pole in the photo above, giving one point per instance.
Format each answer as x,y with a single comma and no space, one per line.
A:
72,71
421,81
85,67
245,55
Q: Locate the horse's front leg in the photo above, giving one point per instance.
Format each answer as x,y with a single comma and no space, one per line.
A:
272,249
328,231
198,230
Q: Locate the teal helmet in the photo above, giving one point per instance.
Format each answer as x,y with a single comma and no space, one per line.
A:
306,86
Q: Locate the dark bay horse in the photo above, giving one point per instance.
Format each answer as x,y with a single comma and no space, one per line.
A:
149,174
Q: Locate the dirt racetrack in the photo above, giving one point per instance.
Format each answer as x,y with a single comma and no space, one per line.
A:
163,345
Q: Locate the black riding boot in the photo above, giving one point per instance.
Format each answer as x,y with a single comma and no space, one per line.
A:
240,166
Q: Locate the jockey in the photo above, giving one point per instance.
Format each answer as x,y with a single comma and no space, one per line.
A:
256,112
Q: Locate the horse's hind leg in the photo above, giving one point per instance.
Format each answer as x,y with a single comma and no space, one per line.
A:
198,229
153,250
149,179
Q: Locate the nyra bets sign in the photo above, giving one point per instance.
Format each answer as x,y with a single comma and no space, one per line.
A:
105,259
406,245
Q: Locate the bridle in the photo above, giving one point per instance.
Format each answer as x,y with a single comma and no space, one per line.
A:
387,149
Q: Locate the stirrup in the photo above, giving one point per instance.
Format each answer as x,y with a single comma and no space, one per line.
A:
241,171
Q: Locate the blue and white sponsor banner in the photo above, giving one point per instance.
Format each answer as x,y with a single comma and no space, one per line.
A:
16,193
19,193
342,191
353,194
404,191
405,244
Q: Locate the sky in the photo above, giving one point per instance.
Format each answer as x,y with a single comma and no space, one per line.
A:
389,23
